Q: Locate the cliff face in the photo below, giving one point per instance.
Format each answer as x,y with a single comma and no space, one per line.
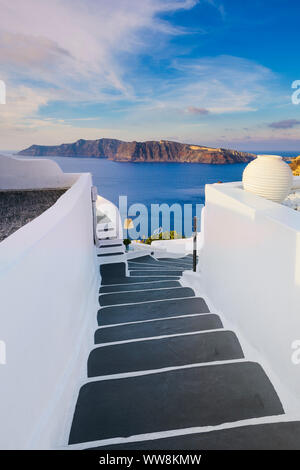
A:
295,166
151,151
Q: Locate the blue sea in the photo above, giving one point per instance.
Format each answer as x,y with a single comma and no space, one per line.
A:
156,183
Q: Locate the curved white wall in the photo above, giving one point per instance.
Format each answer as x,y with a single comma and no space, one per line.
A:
106,207
35,173
181,246
250,267
48,300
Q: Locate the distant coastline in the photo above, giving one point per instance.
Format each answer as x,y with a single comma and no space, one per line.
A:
150,151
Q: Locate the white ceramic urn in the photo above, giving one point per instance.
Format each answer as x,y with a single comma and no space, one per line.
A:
268,176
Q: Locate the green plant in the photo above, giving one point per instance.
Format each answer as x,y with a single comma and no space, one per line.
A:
172,235
127,242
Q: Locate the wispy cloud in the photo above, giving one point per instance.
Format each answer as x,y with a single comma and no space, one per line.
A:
285,124
196,111
75,51
222,84
81,46
120,57
219,6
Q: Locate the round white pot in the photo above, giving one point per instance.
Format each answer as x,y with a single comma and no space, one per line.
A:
268,176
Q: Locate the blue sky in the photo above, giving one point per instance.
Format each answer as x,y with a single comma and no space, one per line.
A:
210,72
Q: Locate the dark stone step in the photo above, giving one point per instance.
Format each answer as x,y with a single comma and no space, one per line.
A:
155,263
158,268
112,271
271,436
158,264
112,254
158,328
149,269
118,298
183,266
110,246
165,352
147,311
178,399
135,280
159,272
144,259
150,259
140,286
175,260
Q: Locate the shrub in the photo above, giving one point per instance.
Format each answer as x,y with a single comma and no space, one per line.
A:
127,242
172,235
295,166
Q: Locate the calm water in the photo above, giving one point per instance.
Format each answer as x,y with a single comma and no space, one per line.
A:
154,183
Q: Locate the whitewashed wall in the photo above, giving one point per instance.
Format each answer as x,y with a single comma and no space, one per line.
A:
34,173
48,304
111,211
250,267
182,246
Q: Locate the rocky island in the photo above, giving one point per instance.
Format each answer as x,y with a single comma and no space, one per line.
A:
150,151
